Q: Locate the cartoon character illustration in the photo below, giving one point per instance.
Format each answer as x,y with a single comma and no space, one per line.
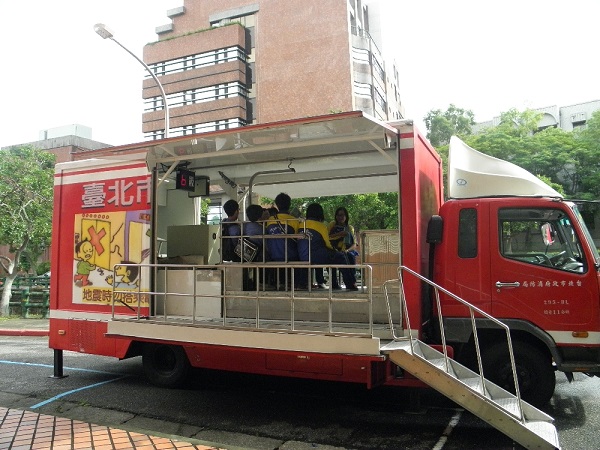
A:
84,251
128,274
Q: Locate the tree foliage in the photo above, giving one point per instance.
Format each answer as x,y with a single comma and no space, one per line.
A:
26,187
569,161
366,211
587,159
441,126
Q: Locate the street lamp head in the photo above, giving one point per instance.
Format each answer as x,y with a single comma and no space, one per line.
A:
105,33
102,31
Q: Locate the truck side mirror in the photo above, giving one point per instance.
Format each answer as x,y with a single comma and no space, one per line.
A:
434,230
547,234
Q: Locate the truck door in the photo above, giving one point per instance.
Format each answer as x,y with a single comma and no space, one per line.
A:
540,272
462,258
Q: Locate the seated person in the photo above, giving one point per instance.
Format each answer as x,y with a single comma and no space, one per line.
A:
282,222
228,229
318,249
255,228
280,248
250,229
342,237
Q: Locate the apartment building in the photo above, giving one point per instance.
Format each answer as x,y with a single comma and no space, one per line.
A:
229,63
567,118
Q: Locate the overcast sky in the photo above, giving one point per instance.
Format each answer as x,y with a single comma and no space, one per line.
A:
487,56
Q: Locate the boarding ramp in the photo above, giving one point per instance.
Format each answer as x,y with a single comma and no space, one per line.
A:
506,412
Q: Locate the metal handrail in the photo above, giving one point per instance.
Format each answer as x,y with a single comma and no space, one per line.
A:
294,295
472,311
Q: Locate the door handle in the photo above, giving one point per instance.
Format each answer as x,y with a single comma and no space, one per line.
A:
514,284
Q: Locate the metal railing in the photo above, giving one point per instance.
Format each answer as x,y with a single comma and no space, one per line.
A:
473,311
183,294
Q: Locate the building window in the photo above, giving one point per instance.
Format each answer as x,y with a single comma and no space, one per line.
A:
360,55
380,99
378,68
362,89
196,128
198,60
200,95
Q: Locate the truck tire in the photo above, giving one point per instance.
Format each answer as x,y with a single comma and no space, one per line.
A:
165,365
534,371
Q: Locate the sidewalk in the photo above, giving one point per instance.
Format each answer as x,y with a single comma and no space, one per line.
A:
24,430
21,430
24,327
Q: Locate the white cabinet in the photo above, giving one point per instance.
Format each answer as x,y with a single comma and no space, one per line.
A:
178,285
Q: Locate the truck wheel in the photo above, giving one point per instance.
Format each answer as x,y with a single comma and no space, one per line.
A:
534,371
165,365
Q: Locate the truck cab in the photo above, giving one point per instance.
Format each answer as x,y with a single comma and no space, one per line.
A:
524,255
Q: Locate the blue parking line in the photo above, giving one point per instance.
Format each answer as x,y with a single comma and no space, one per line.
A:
56,397
65,368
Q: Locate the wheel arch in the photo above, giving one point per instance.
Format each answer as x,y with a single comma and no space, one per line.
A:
165,365
459,331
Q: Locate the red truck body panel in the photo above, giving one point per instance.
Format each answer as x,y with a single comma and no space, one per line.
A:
107,202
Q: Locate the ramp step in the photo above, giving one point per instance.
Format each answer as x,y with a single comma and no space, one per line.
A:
510,405
397,345
545,430
440,363
496,406
475,384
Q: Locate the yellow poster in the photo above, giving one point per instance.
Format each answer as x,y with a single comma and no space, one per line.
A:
109,247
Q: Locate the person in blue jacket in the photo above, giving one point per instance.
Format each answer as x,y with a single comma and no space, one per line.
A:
282,248
230,231
282,222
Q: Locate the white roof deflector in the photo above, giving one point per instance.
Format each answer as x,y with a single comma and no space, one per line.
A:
472,174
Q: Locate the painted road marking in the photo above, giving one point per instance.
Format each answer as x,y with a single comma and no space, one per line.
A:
64,394
448,431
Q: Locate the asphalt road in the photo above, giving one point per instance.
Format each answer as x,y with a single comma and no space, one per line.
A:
239,410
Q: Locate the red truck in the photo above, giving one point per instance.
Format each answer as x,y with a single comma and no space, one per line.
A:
498,282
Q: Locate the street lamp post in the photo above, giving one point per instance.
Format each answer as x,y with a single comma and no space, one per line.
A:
105,33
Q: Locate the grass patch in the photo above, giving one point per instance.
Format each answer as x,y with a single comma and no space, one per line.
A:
15,317
5,318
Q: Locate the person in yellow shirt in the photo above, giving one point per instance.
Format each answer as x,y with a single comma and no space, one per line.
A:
318,249
282,222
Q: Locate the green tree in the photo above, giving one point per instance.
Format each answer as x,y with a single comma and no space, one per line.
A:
204,209
367,211
441,126
507,139
552,153
520,123
26,183
587,159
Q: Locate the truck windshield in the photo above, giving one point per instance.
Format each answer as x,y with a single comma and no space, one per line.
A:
586,232
541,236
